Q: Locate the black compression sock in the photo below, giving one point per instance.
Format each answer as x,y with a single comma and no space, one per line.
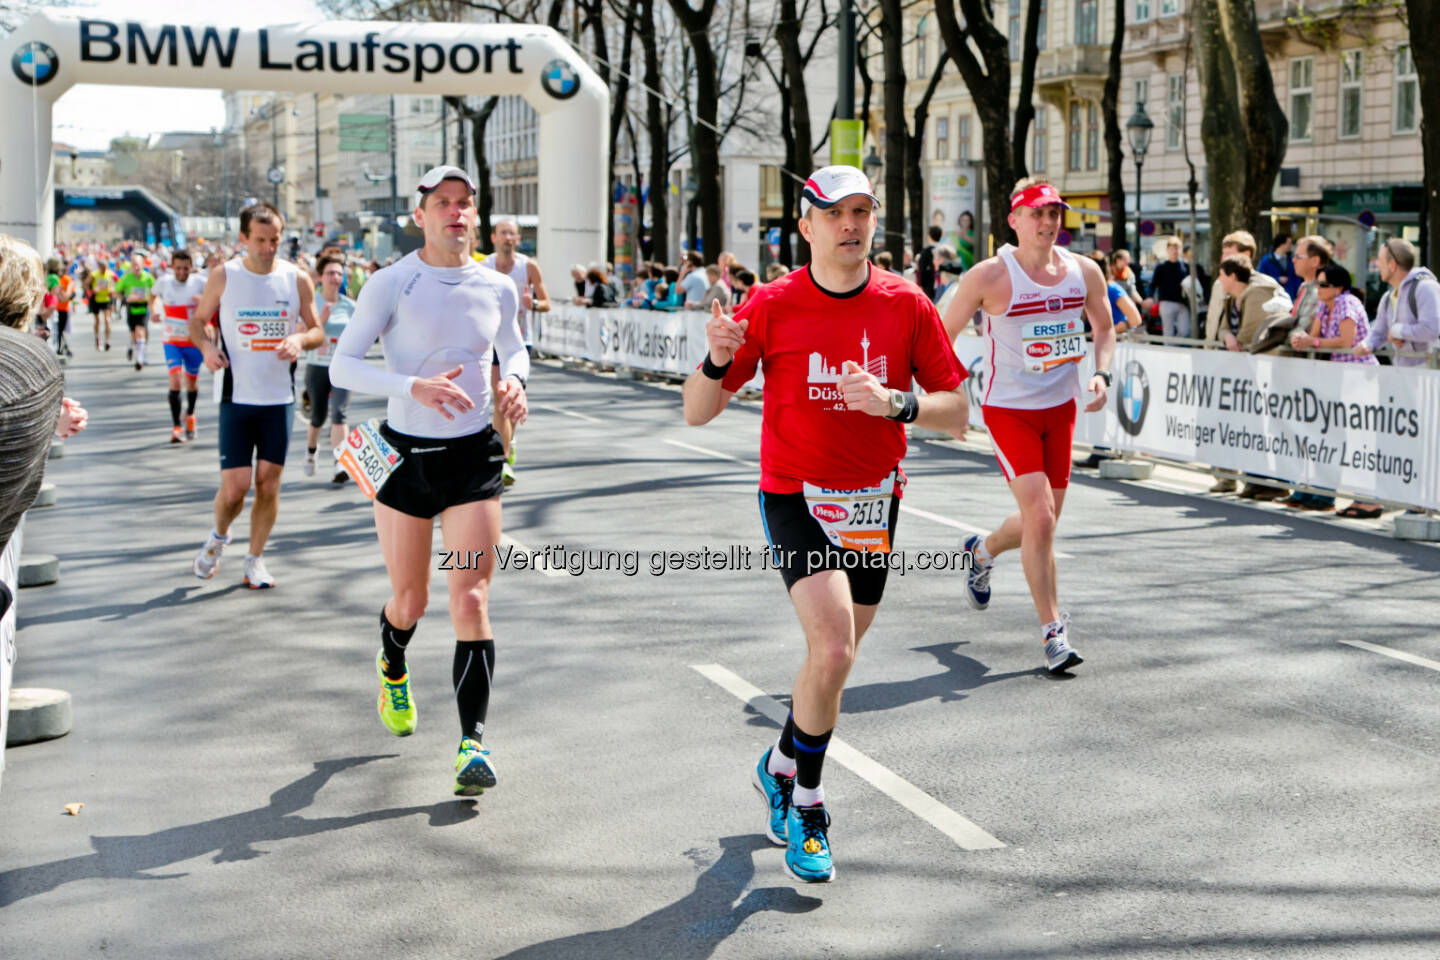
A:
787,738
190,396
810,757
175,406
474,669
394,640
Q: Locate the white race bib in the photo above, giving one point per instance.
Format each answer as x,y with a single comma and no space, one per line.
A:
368,458
854,519
1051,343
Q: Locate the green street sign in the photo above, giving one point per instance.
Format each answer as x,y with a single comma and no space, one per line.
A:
846,140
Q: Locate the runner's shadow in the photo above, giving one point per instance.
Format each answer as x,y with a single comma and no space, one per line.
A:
691,927
962,673
230,838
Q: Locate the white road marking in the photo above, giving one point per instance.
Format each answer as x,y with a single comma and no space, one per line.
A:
1391,652
966,834
712,453
541,566
569,413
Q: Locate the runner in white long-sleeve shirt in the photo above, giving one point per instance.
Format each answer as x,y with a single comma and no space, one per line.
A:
440,316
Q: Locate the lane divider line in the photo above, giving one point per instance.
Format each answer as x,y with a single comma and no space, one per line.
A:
1392,652
966,834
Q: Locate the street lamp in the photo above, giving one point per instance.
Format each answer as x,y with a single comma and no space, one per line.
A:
1138,130
873,165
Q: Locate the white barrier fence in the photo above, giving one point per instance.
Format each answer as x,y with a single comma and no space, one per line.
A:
1368,431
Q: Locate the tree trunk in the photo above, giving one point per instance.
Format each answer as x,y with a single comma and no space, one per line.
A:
867,90
915,157
1025,106
706,158
659,135
892,39
989,87
1422,14
1266,128
484,198
799,144
619,105
1219,120
1114,154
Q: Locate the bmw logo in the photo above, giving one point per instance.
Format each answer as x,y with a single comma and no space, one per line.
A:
560,79
1132,400
35,63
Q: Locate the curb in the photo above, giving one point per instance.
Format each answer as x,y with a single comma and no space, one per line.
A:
36,714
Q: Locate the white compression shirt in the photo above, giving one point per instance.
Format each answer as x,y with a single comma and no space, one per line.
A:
430,320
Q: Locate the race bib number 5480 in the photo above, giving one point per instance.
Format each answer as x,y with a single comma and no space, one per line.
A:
368,458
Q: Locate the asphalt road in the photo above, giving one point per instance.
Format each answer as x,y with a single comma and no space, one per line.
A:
1225,776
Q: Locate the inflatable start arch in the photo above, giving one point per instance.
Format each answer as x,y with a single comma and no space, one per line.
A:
51,53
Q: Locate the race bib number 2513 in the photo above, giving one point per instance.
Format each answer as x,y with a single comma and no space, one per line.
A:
854,519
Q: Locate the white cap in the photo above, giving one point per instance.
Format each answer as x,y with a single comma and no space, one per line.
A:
437,175
829,185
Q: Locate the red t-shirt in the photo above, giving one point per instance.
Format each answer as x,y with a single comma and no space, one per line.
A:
801,337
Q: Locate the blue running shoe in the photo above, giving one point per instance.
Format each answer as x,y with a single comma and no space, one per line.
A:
474,770
807,849
977,578
776,791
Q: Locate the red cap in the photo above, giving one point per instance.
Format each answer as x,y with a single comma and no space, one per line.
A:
1038,195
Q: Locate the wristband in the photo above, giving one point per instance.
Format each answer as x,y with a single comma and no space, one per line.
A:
713,372
909,407
518,379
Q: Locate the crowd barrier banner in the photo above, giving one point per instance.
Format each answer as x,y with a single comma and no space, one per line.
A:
655,341
1371,431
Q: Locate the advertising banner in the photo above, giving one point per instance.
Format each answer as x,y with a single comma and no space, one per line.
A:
1371,431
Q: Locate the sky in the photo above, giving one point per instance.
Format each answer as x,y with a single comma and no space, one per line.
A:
90,115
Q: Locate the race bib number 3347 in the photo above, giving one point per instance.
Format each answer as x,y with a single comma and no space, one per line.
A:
1050,343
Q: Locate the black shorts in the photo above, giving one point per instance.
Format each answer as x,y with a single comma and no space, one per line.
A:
436,474
324,398
799,547
136,321
248,430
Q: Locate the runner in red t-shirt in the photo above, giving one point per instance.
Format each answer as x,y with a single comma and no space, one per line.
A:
1035,297
839,345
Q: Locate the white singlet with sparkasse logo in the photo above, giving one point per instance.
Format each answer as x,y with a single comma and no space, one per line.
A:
1036,345
521,275
257,311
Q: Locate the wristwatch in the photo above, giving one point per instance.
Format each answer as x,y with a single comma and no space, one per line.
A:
897,404
1109,380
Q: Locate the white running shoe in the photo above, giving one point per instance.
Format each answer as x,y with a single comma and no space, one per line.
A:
1059,655
256,576
309,467
207,561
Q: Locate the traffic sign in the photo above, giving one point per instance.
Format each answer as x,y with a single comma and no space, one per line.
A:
275,174
1064,238
1147,228
1366,218
772,239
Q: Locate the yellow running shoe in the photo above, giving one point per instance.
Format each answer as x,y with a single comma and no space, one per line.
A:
397,710
473,769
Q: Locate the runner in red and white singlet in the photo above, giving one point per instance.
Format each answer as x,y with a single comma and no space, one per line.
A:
840,345
178,293
1034,298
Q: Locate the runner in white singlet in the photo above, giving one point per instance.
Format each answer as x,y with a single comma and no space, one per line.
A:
177,294
533,299
1034,297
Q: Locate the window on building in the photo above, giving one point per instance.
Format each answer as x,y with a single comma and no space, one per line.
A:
1074,135
1302,98
942,138
1168,8
1014,34
922,66
1042,32
1085,21
1352,75
1040,140
1407,92
1092,136
1142,11
1175,112
1142,91
962,139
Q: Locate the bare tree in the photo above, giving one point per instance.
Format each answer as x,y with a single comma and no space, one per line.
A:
1420,14
915,155
705,139
1025,105
1114,155
892,40
987,77
1242,126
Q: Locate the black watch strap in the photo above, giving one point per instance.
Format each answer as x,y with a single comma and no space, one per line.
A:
1109,380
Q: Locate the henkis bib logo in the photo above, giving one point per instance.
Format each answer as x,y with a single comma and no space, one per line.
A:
249,329
830,512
